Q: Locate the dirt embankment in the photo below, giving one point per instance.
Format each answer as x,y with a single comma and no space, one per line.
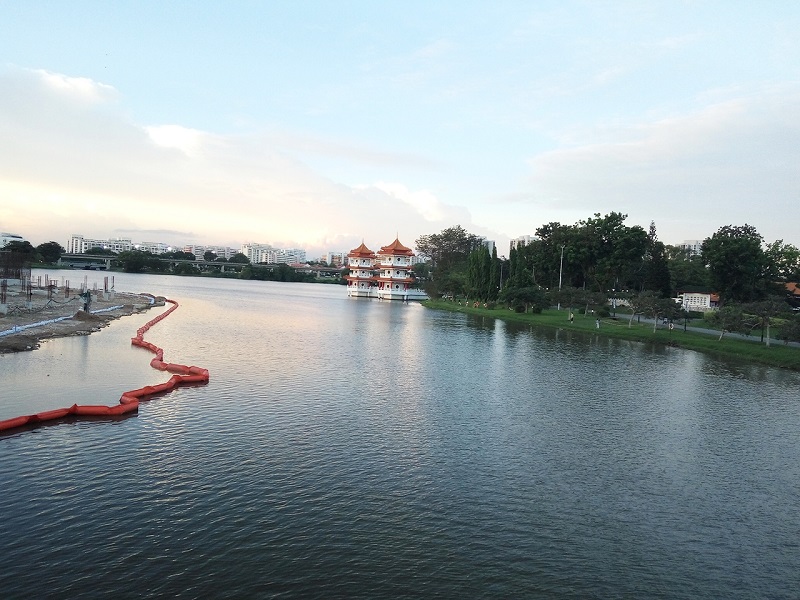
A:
26,320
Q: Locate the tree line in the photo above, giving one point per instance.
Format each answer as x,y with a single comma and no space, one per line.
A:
142,261
600,261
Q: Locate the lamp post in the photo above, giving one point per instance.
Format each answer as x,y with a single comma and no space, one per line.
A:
560,272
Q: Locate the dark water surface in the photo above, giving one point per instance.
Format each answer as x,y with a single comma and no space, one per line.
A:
355,448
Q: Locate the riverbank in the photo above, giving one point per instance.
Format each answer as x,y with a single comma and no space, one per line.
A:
776,355
30,319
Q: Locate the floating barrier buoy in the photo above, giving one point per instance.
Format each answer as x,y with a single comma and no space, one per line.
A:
129,401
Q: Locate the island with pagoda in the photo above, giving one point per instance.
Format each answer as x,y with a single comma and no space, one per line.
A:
383,274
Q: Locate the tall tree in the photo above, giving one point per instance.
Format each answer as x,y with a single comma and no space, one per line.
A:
449,248
736,263
609,251
448,252
50,252
656,276
783,261
687,273
24,249
494,275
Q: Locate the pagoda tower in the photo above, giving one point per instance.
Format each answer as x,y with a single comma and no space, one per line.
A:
361,280
393,263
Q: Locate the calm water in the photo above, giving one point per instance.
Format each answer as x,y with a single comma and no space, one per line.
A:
355,448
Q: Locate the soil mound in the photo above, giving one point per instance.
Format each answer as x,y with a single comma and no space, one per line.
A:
84,316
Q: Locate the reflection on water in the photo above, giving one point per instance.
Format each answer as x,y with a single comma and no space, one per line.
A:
351,448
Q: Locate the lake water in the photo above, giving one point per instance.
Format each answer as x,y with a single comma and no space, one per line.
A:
349,448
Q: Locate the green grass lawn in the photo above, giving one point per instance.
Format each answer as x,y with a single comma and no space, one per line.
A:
777,354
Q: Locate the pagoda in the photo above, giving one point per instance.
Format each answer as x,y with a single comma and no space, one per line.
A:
383,275
361,280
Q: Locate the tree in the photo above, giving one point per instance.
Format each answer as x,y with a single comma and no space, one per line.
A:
531,298
609,251
545,255
179,255
209,256
239,258
449,249
790,330
134,261
23,249
421,270
656,269
687,273
449,253
479,273
662,308
495,275
783,261
642,303
185,269
765,313
97,250
729,319
736,263
50,252
567,296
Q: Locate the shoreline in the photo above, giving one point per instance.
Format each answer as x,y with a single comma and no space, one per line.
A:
30,320
776,355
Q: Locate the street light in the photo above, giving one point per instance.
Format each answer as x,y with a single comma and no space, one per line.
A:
560,272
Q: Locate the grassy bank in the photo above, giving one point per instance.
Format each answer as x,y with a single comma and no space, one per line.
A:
777,355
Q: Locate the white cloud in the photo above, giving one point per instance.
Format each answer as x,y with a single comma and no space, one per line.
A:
80,88
423,201
731,162
189,141
73,162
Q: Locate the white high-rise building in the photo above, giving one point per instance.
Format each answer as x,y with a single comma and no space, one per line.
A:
5,238
200,251
290,256
692,247
522,240
80,245
335,259
257,253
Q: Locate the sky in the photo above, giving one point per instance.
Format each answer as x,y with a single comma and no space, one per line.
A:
323,124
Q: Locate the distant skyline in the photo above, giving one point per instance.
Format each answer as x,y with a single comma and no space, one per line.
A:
319,124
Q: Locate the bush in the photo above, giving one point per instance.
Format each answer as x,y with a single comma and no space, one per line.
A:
603,312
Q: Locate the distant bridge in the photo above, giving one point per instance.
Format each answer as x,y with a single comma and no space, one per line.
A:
102,262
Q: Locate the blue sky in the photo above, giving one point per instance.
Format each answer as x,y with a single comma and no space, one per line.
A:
319,124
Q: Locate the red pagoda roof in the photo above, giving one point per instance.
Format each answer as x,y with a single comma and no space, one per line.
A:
362,250
396,248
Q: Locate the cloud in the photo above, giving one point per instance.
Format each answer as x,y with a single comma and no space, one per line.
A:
81,89
311,145
731,162
189,141
73,161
